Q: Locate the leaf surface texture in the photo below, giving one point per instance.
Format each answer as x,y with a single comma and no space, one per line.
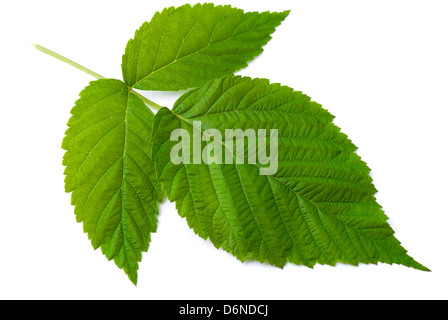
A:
184,47
110,172
319,207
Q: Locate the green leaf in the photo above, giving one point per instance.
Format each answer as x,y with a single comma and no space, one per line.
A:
110,172
184,47
318,207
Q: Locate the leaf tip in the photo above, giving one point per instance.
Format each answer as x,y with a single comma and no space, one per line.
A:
286,13
412,263
421,267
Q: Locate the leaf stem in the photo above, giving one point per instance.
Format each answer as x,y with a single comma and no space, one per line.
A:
68,61
147,101
90,72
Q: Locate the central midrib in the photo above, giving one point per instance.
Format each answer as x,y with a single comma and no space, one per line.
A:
244,158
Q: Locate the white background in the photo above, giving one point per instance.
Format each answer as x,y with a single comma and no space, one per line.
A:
380,66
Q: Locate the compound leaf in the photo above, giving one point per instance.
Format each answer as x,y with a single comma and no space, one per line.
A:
319,205
110,172
184,47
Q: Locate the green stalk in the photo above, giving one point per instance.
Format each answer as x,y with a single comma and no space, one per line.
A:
90,72
147,101
68,61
